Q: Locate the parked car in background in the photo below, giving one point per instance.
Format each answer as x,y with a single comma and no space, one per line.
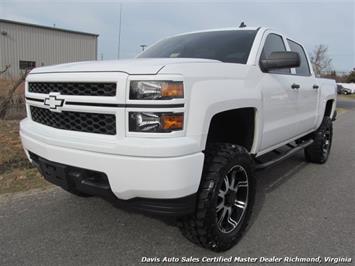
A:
342,90
349,86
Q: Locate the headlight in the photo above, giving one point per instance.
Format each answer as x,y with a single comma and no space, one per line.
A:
156,90
155,122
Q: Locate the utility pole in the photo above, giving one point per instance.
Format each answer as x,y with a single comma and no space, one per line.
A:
119,33
143,46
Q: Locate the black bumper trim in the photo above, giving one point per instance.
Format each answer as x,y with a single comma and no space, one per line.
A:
96,183
171,207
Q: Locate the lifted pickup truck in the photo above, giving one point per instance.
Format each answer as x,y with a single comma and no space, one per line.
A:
180,129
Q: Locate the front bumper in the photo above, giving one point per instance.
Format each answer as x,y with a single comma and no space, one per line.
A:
129,177
79,180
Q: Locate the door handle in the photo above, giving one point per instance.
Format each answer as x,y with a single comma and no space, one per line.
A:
295,86
315,87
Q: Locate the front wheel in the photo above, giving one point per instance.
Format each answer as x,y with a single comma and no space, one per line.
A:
318,151
225,198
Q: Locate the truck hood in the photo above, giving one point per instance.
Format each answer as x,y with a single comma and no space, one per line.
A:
131,66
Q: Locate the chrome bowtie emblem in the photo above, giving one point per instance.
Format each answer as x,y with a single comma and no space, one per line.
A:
53,102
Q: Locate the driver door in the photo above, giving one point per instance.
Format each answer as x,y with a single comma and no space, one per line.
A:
279,98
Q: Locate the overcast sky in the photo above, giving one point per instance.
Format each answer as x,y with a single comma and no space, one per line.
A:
312,22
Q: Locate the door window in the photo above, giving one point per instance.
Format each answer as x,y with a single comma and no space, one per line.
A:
274,43
303,69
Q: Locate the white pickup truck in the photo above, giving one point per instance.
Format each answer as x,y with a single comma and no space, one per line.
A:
180,129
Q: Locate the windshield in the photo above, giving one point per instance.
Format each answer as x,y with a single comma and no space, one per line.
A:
231,46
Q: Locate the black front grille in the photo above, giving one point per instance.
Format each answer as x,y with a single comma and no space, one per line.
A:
74,88
77,121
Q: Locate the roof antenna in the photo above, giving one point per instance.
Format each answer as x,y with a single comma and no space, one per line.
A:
242,25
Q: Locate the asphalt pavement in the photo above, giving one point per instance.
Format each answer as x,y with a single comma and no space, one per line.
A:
345,102
302,209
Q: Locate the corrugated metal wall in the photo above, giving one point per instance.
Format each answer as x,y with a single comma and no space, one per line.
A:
44,46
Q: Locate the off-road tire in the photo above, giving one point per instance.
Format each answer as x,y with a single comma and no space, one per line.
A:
316,151
201,227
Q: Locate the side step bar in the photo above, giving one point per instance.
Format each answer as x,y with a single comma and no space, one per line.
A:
284,156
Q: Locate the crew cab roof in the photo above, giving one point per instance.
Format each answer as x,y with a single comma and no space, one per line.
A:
219,29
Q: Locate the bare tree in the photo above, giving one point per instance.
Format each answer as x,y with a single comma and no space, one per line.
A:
6,102
5,69
320,59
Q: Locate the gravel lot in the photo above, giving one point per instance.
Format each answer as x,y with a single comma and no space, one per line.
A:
304,210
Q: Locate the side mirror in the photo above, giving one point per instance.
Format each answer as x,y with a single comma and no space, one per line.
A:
278,60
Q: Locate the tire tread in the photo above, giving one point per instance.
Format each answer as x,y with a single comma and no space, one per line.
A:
196,227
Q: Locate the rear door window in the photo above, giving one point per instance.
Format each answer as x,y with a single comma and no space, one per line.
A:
303,69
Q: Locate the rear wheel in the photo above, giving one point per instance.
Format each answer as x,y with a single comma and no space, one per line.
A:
318,151
225,198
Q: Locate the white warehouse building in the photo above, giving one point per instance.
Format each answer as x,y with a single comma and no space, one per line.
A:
25,46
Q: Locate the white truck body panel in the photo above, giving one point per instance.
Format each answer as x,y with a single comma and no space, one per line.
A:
137,66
